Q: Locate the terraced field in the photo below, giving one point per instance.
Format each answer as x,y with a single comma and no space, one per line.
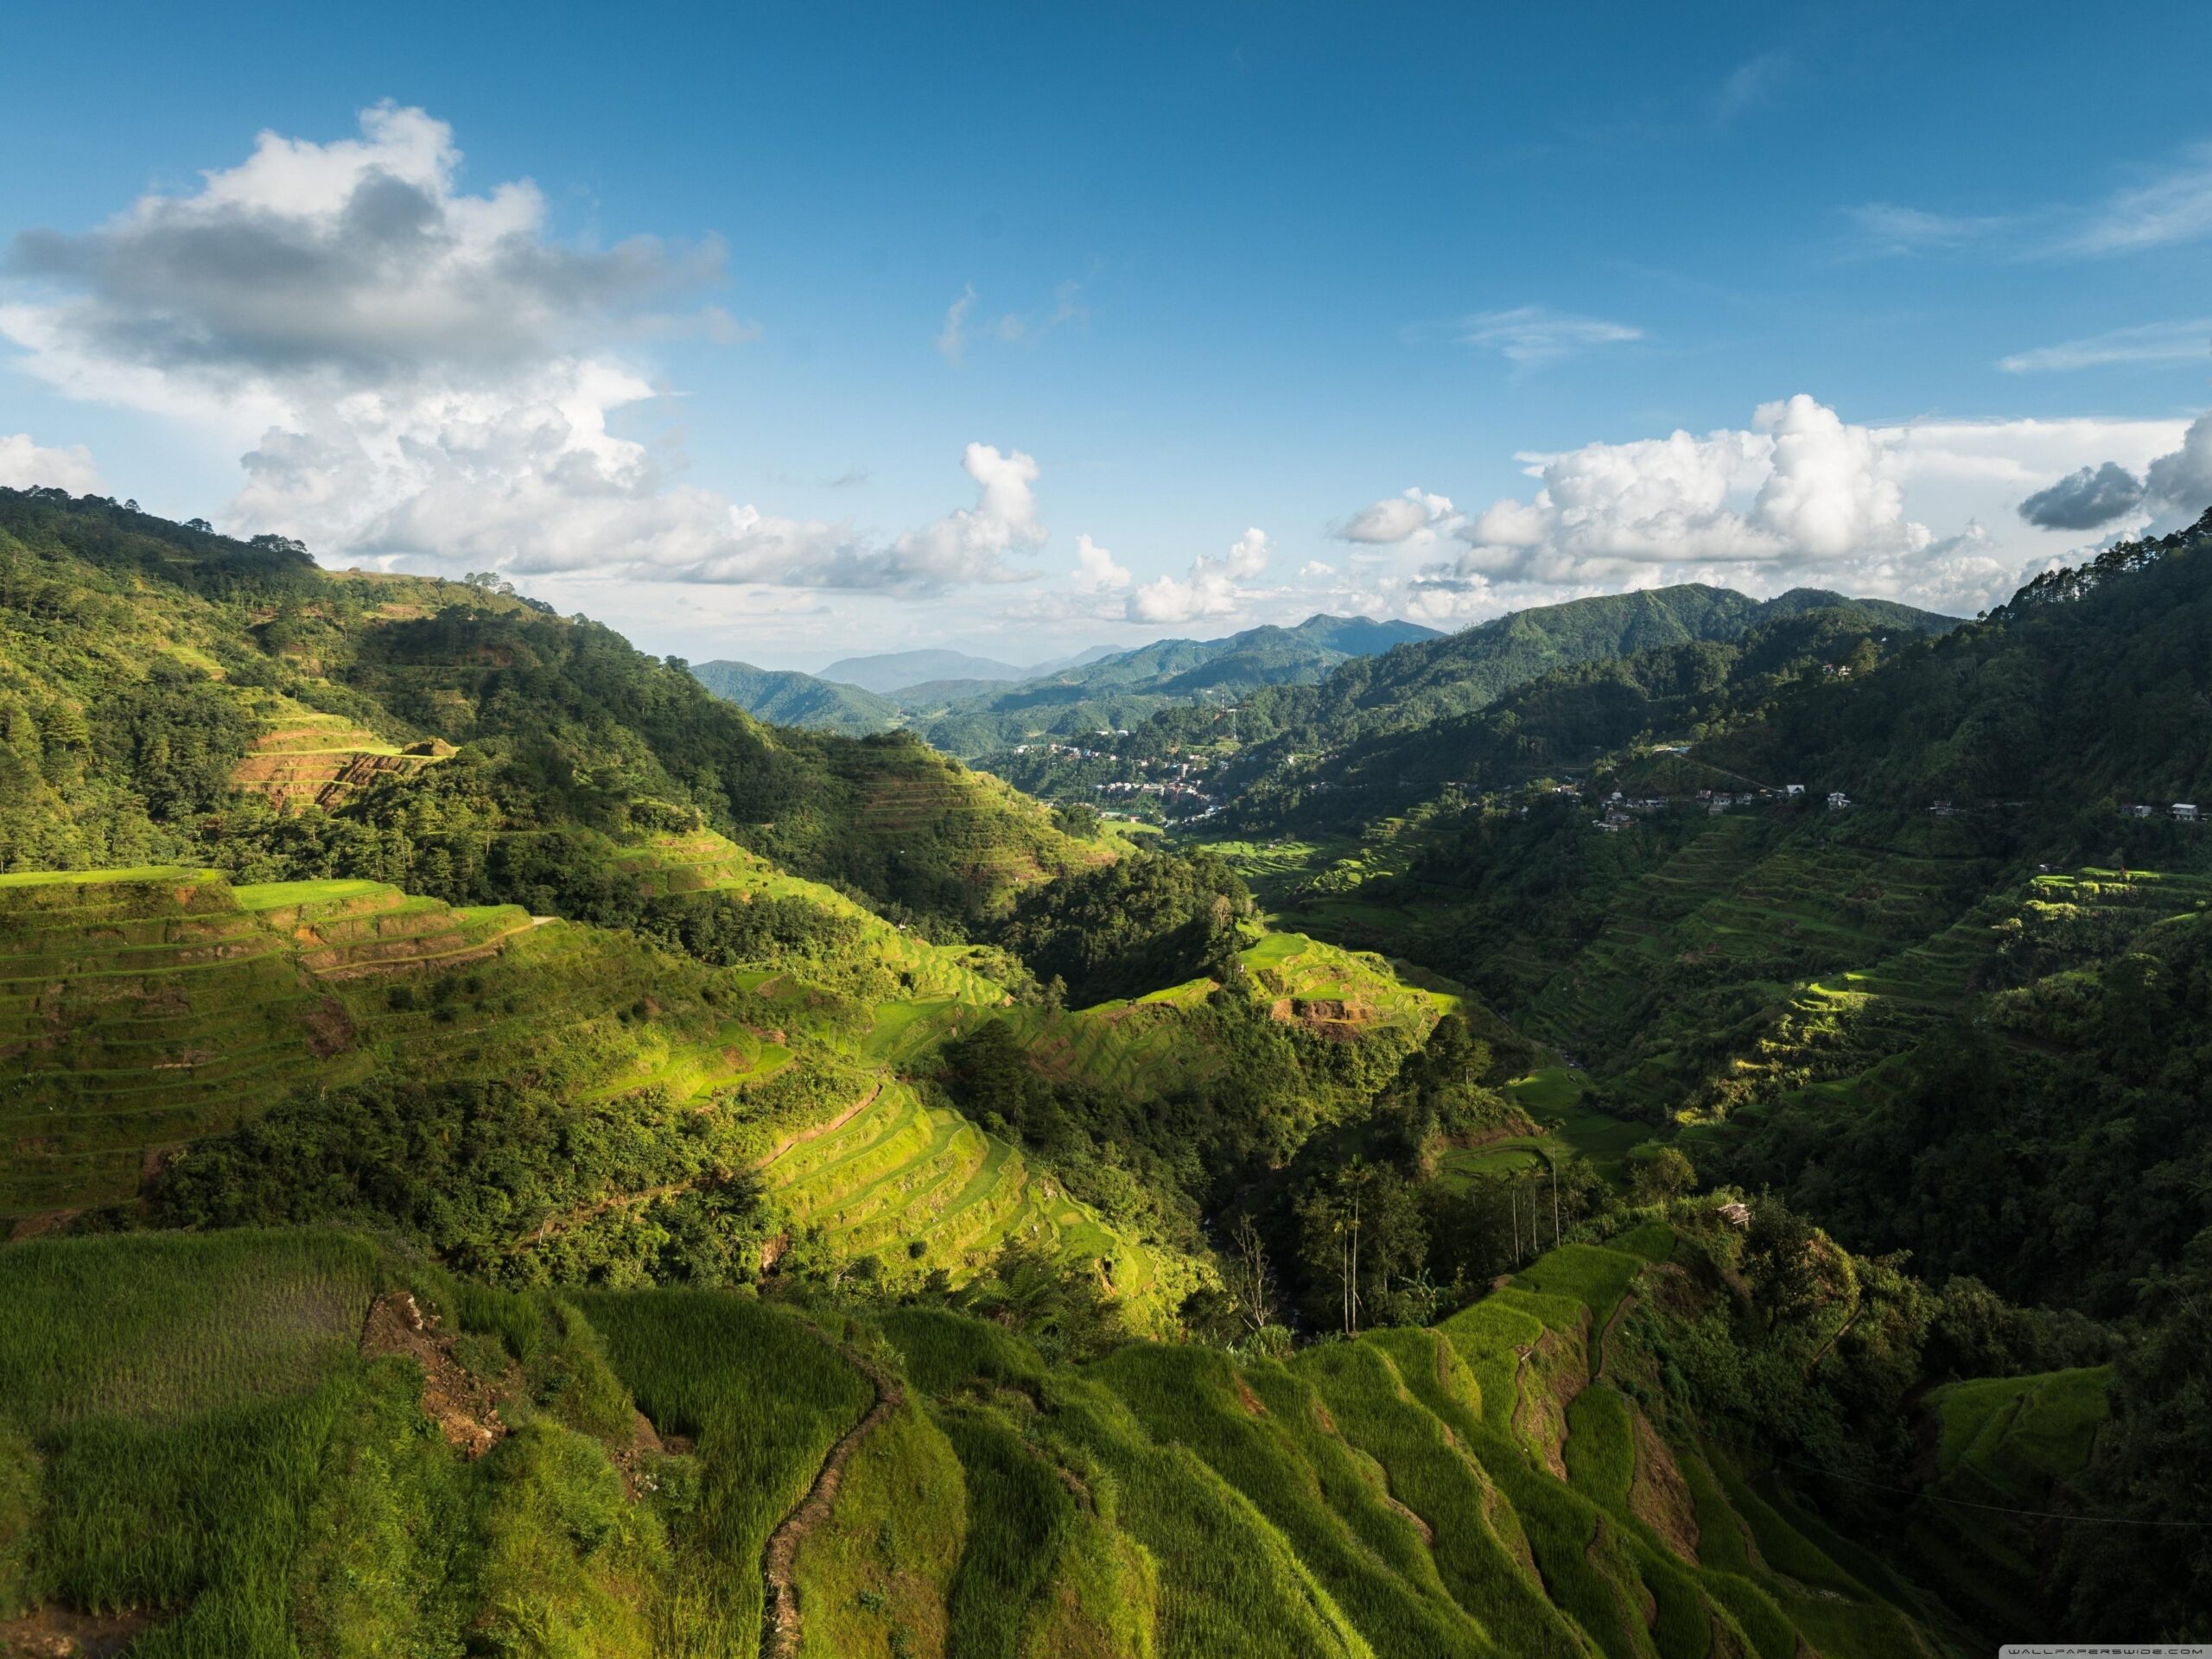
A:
1135,1046
927,1189
143,1009
306,757
1482,1489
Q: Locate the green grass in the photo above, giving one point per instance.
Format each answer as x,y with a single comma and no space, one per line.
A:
2020,1434
1429,1471
765,1397
879,1571
164,1326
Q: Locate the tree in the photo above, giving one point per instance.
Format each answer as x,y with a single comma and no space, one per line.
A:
1657,1171
1362,1242
1246,1276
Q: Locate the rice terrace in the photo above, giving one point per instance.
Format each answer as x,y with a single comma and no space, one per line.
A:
1466,954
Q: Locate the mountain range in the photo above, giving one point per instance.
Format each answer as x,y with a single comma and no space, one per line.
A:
504,1151
969,706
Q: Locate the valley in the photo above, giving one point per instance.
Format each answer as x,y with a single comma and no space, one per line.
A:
503,1150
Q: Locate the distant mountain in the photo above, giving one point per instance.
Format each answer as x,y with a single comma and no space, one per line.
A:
1121,690
889,671
1461,672
785,698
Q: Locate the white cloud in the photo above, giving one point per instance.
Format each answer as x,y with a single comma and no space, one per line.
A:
1884,227
1096,572
415,371
1530,335
2181,482
1750,84
1799,497
1010,327
2173,208
25,465
1414,516
952,337
1214,587
1313,570
2149,342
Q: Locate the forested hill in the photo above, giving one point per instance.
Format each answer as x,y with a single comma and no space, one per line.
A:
1120,690
1402,723
150,666
1461,672
2092,687
1565,720
783,697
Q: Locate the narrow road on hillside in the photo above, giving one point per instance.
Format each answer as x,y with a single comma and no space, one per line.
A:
780,1608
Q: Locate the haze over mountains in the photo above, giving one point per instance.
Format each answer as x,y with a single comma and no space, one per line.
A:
969,705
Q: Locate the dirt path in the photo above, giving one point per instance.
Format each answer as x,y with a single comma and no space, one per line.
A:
1605,1336
799,1137
780,1609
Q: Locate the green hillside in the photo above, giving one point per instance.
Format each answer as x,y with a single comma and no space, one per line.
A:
504,1153
784,698
148,669
1537,690
1958,1018
1122,689
630,1471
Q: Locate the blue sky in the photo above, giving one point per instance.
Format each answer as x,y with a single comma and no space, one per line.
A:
1023,328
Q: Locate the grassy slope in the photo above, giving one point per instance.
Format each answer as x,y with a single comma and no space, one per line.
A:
1388,1495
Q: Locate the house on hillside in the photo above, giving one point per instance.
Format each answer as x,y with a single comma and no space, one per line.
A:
1793,790
2134,811
1838,801
1943,808
2185,812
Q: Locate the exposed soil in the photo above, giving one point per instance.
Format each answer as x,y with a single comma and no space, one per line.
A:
464,1408
1245,1397
330,1031
1540,1413
57,1633
47,1221
779,1615
1657,1494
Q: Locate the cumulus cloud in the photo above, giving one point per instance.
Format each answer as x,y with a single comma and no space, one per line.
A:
2149,342
2086,500
1800,497
1529,336
1801,483
2177,483
2182,481
353,261
1096,572
1215,586
25,465
411,369
1313,570
1414,515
